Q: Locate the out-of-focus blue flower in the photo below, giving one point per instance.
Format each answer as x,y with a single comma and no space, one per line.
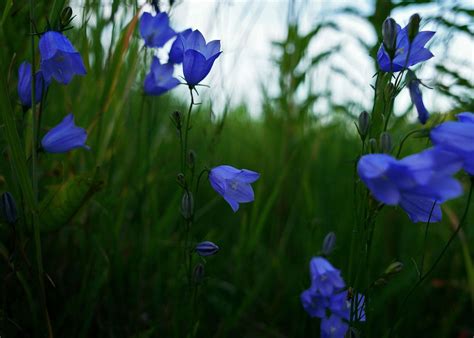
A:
415,182
457,137
24,85
407,53
198,57
314,303
417,99
206,248
333,327
59,58
64,137
160,78
177,48
233,184
8,208
156,30
324,277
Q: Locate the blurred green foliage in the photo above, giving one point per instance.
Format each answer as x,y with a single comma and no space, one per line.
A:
115,268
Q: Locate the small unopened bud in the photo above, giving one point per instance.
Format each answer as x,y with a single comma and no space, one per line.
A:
187,205
206,248
381,282
177,118
373,145
329,243
191,158
181,179
393,268
364,122
414,26
389,35
8,208
386,144
66,16
198,273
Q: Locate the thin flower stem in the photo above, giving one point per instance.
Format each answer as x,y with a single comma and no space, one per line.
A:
404,139
437,260
186,131
422,262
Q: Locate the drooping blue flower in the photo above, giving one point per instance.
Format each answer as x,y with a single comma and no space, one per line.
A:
333,327
24,85
206,248
340,304
233,184
176,51
407,53
314,303
160,78
417,99
64,137
324,277
198,57
156,30
457,137
59,58
418,183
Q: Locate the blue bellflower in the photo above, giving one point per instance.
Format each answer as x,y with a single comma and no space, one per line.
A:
233,184
160,78
417,183
324,277
64,137
314,303
156,30
59,58
206,248
457,137
198,57
417,99
24,85
407,53
333,327
176,51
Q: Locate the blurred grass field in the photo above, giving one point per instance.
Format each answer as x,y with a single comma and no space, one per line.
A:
116,267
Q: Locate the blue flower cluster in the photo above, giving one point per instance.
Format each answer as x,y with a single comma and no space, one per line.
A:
59,61
189,48
420,183
328,299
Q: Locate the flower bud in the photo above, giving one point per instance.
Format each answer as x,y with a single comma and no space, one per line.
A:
414,26
191,158
393,268
329,243
373,145
386,144
364,122
177,118
66,16
187,205
381,282
181,179
389,35
198,273
8,208
206,248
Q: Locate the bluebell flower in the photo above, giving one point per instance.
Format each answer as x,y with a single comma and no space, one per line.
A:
333,327
457,137
415,183
206,248
64,137
314,303
324,277
417,99
233,184
160,78
340,304
156,30
407,53
198,57
176,51
24,85
59,58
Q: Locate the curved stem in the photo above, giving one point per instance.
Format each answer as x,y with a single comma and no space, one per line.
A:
186,131
402,142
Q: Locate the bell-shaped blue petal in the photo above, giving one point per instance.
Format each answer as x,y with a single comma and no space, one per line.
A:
24,85
325,279
177,48
206,248
160,78
333,327
417,99
156,30
314,303
64,137
233,184
198,57
59,59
